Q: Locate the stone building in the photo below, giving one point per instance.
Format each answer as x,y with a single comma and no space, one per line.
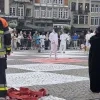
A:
95,14
41,14
80,14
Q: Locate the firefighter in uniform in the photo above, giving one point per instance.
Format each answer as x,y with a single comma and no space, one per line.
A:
5,49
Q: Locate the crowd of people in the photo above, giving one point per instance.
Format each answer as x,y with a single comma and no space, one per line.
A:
91,41
40,41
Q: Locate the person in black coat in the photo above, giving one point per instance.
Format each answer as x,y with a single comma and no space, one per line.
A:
94,62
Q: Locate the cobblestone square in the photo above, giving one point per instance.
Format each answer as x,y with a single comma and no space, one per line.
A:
68,80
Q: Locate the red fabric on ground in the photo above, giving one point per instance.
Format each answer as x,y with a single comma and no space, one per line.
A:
52,60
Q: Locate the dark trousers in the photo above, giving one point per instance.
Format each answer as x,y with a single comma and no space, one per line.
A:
46,44
3,66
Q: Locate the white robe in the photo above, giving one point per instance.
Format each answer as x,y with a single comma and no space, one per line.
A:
53,37
64,37
87,38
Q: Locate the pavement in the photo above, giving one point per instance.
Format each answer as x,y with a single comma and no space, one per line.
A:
65,78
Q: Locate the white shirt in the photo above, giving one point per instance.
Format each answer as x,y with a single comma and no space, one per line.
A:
92,34
19,38
53,37
64,37
87,37
42,39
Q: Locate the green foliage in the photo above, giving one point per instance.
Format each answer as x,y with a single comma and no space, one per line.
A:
66,29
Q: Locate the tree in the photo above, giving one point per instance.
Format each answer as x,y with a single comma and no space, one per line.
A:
67,29
72,31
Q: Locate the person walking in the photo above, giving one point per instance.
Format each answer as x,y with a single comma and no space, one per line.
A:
94,62
5,49
53,37
63,37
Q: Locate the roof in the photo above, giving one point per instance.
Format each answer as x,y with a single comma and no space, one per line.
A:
95,0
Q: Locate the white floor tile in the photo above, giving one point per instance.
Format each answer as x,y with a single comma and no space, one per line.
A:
40,78
46,67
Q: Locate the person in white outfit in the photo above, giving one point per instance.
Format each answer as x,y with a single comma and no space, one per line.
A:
42,41
64,38
53,37
19,41
87,38
92,33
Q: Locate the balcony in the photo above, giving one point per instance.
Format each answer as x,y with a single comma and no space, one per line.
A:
86,11
81,12
75,12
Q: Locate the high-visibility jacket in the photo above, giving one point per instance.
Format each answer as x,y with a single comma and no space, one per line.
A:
4,22
5,38
5,48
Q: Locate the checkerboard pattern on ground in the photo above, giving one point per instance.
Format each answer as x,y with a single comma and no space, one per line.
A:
61,79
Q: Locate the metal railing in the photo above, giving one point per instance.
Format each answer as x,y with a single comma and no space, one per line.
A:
26,44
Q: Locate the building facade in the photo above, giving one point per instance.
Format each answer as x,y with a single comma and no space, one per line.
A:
80,14
49,13
4,7
95,14
41,14
1,6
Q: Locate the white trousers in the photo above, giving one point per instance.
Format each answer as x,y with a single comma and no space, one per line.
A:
63,47
53,49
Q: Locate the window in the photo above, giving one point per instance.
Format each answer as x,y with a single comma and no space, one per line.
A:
73,6
49,12
20,11
96,8
75,19
92,21
55,13
65,13
37,12
49,1
96,21
55,1
81,19
86,7
92,8
60,13
13,11
99,20
99,8
86,20
80,7
43,1
43,12
28,12
60,1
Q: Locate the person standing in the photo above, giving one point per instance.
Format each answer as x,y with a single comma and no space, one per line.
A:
42,41
75,40
53,37
87,38
5,49
25,42
12,41
94,62
29,41
63,37
15,41
47,41
81,40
